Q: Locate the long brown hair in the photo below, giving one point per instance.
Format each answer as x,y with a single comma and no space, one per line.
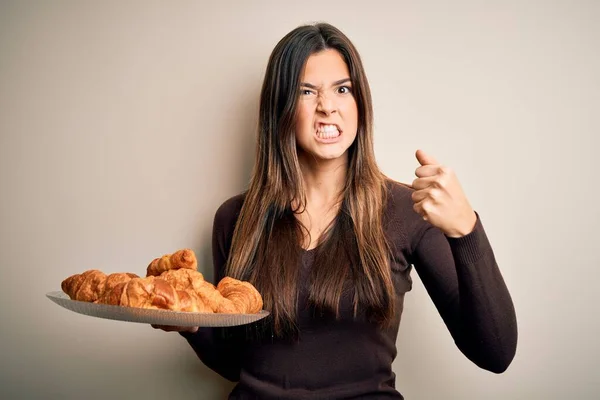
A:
266,242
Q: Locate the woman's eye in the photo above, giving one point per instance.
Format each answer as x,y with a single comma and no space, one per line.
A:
305,92
344,89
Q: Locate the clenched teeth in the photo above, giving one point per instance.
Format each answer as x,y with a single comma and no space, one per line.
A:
328,132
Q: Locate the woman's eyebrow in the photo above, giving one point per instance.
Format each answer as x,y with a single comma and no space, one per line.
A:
336,83
341,81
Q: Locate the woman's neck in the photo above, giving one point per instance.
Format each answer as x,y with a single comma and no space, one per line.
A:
324,181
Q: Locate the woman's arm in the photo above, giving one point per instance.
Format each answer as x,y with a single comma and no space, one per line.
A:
220,349
212,348
463,279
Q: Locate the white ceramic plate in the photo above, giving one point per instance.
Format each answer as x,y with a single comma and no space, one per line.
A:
148,316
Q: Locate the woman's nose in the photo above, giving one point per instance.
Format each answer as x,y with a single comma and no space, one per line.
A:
326,105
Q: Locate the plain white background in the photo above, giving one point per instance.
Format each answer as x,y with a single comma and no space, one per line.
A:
125,124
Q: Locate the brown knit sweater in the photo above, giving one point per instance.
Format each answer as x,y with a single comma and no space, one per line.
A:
349,358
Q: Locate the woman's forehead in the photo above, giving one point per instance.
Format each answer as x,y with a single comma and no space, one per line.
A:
324,68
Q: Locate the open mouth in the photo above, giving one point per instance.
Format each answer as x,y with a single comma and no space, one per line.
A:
328,131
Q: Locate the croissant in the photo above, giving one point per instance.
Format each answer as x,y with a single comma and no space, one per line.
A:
243,295
87,286
184,258
172,282
184,279
90,285
114,279
154,293
189,301
193,281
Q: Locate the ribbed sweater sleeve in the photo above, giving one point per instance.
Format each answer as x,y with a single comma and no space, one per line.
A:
464,281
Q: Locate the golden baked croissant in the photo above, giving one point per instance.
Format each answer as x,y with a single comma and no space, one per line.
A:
242,294
171,283
184,258
114,279
155,293
184,279
189,301
193,281
90,285
142,293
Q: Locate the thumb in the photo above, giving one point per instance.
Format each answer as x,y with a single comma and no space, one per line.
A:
425,159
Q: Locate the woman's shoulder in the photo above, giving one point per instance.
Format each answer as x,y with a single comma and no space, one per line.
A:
402,222
229,210
399,198
398,188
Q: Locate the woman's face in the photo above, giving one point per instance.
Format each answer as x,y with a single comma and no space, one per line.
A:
326,115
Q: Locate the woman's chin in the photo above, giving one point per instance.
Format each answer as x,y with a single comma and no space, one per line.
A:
329,156
324,154
332,157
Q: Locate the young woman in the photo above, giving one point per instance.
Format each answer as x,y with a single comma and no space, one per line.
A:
329,242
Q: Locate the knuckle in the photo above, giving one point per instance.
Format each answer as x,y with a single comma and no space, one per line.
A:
426,207
417,208
434,194
413,196
444,170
